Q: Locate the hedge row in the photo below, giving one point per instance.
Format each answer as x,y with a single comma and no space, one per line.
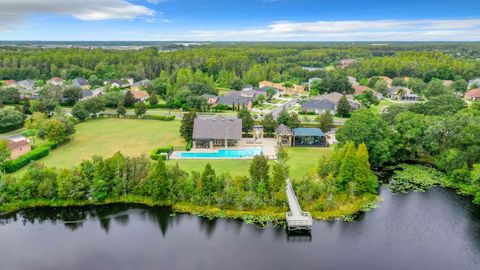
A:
147,117
161,152
22,161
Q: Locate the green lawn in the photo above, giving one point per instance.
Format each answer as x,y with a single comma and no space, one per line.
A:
233,167
104,137
132,137
304,160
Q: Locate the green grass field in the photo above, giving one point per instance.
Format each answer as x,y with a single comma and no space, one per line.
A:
104,137
304,160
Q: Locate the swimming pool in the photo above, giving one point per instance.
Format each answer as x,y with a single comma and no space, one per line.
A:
223,154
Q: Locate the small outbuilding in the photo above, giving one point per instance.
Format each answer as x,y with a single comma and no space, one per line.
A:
284,135
309,137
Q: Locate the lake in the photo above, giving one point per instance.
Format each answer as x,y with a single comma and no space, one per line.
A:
437,229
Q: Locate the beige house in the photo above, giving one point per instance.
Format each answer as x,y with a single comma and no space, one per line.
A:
18,148
279,86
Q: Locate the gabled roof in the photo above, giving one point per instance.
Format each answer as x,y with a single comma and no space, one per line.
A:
218,127
137,94
474,93
319,104
234,98
26,83
359,89
80,82
17,144
283,130
308,132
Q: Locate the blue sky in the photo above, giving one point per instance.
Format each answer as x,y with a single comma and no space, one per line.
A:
243,20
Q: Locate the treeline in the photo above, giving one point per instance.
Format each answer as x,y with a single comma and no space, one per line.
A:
345,177
426,65
100,179
441,131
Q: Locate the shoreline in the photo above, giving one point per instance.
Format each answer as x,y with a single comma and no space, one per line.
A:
262,217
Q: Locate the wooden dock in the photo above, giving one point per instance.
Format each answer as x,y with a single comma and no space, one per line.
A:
296,218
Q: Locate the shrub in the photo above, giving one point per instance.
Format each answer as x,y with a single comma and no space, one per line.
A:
161,152
189,145
22,161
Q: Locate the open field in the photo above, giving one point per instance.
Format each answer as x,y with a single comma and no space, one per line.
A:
104,137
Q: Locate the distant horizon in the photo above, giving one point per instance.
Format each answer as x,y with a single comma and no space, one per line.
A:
235,21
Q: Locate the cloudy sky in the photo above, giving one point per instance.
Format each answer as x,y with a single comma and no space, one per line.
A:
240,20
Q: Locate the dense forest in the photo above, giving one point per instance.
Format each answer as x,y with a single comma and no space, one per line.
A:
248,62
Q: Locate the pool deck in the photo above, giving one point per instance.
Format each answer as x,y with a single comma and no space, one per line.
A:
267,144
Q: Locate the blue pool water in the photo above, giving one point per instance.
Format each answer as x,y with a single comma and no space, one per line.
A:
224,153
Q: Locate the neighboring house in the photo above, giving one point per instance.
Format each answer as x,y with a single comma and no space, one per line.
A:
402,94
328,102
473,95
18,148
9,83
130,81
139,95
81,83
360,89
87,94
353,81
344,63
211,99
388,80
114,83
319,106
27,85
474,83
281,88
236,98
141,85
210,132
264,91
56,81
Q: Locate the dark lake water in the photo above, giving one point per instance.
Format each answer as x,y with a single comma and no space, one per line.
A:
433,230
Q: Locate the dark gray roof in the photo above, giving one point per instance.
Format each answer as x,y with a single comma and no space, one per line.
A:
80,82
217,127
319,104
283,130
144,82
265,88
234,98
86,93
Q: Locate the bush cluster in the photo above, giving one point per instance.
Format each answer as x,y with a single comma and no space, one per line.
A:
161,152
22,161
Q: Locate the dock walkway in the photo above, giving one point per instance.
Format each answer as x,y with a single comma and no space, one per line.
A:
296,218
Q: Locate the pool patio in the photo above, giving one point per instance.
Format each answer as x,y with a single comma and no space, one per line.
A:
267,145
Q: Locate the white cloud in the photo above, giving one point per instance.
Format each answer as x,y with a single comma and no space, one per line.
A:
12,13
389,30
